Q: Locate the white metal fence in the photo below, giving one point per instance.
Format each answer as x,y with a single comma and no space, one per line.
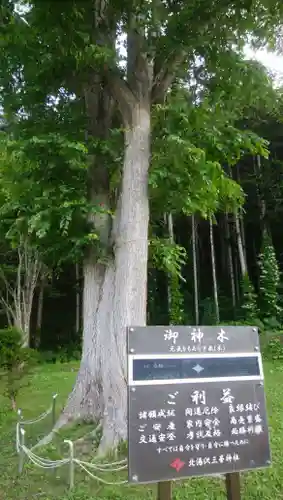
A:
91,468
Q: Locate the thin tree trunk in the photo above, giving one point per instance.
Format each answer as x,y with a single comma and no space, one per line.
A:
239,236
171,238
198,260
223,253
243,235
18,299
28,272
39,315
241,252
78,298
166,224
40,306
195,270
261,201
13,403
237,276
241,218
230,261
171,228
214,278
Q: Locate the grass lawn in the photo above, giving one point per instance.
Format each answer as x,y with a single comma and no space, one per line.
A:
42,484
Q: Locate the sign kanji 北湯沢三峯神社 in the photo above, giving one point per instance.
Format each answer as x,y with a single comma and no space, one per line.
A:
196,402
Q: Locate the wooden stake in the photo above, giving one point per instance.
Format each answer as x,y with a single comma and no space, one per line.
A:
233,486
164,490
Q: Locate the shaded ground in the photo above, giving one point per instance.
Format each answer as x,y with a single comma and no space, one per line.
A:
36,483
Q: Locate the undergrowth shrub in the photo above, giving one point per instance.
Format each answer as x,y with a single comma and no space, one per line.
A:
269,280
16,362
273,349
249,308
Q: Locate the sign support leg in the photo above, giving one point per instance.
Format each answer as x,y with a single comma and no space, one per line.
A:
233,486
164,490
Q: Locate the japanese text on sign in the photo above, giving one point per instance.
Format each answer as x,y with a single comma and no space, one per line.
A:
197,405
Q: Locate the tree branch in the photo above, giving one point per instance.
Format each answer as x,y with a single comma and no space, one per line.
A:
9,311
9,289
139,66
122,94
166,74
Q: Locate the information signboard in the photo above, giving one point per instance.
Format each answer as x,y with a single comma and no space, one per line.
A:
196,402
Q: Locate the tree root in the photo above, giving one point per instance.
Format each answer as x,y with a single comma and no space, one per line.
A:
45,440
92,434
63,420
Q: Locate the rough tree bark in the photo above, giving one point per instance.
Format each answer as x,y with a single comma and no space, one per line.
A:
115,297
115,291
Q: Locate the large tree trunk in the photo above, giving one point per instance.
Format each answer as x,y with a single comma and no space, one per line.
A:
115,292
115,297
130,277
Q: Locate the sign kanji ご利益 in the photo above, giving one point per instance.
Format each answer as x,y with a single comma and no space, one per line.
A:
196,402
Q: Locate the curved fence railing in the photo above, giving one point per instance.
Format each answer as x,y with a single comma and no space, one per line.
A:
91,468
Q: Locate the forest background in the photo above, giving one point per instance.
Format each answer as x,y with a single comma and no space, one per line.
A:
88,136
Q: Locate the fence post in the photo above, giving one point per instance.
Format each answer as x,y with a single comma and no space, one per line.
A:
21,451
18,437
72,465
233,486
54,410
164,490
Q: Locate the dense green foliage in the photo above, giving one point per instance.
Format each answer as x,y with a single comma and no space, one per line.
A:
217,114
16,363
269,281
249,300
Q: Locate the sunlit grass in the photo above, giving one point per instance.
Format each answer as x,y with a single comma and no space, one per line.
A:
35,483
